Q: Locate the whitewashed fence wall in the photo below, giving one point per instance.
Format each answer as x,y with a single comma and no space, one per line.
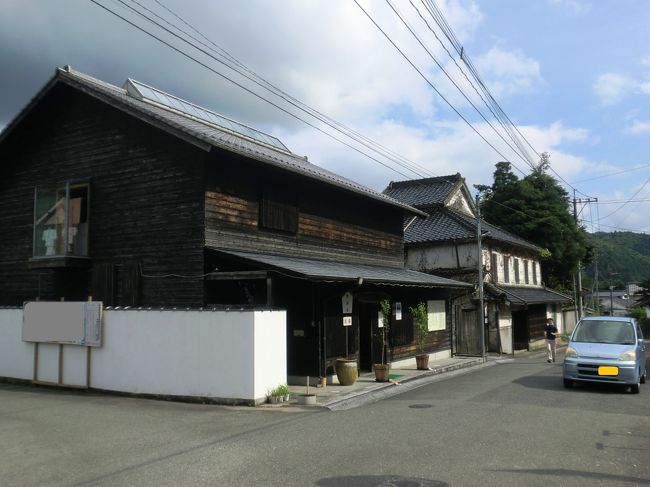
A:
229,356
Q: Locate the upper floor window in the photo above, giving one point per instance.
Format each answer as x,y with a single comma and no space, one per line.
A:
61,220
278,213
534,272
506,268
516,270
495,268
526,279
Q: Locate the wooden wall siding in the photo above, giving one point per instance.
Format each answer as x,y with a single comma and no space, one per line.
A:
146,201
232,217
225,209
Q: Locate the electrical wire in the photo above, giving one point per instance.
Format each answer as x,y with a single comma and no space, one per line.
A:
628,201
432,85
248,90
439,18
612,174
460,90
278,91
494,112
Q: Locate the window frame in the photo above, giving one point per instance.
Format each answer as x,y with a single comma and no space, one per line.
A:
64,189
516,269
272,202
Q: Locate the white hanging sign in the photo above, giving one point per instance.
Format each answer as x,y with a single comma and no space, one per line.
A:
398,311
347,321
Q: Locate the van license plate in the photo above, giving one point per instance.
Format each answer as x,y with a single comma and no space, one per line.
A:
603,370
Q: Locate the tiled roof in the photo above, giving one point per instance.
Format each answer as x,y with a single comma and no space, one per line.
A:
423,192
446,224
529,295
200,133
344,271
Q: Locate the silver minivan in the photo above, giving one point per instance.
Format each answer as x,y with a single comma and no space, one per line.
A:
607,349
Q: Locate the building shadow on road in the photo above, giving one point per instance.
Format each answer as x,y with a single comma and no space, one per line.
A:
554,383
563,472
378,481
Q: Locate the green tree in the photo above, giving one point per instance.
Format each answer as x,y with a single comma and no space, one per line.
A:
537,209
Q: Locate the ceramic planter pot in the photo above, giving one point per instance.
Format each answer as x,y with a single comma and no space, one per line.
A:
346,371
381,372
422,361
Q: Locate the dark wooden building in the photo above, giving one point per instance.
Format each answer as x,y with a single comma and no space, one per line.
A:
137,198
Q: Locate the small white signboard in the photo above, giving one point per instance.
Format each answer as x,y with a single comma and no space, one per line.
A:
398,311
347,321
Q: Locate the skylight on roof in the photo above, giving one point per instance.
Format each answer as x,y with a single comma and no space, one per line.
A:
148,93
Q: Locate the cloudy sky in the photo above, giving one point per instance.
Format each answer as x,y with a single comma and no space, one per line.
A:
572,75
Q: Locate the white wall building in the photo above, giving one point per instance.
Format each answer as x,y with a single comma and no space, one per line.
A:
445,244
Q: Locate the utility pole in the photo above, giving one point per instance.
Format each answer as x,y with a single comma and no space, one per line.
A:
575,216
481,316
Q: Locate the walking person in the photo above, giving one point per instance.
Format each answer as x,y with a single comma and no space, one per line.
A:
550,330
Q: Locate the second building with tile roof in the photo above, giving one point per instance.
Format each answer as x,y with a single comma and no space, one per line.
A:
444,243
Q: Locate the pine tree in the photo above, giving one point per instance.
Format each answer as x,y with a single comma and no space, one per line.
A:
537,208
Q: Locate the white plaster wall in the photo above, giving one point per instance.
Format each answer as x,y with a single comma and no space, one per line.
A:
270,351
219,354
16,356
459,202
505,328
48,362
523,263
74,365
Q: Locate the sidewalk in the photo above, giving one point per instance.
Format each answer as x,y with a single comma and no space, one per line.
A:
366,389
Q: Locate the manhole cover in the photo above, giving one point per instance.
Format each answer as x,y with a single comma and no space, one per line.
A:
420,406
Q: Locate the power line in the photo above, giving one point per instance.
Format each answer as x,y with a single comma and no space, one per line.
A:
439,18
426,49
260,81
432,85
629,200
494,110
612,174
248,90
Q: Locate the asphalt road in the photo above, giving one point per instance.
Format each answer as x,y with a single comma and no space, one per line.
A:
509,424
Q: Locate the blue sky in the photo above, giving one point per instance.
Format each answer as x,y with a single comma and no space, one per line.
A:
573,75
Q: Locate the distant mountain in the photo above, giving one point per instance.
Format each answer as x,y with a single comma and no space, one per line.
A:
623,257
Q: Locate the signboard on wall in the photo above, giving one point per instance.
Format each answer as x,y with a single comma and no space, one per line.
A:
71,322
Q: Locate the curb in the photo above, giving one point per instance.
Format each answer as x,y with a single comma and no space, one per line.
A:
384,390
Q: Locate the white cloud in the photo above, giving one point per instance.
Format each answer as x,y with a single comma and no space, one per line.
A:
612,88
638,128
573,6
509,72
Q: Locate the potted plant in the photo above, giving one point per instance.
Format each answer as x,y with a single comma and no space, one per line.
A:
421,320
382,369
278,394
284,390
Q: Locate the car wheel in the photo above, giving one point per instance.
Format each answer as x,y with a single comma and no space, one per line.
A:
634,388
642,380
568,383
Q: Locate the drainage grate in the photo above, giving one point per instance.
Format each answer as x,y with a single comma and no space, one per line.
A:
420,406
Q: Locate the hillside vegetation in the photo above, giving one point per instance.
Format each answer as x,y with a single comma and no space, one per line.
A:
623,257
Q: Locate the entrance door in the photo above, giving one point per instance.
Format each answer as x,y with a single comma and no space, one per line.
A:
468,335
369,338
520,329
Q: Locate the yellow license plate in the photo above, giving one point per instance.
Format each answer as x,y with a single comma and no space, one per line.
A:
603,370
